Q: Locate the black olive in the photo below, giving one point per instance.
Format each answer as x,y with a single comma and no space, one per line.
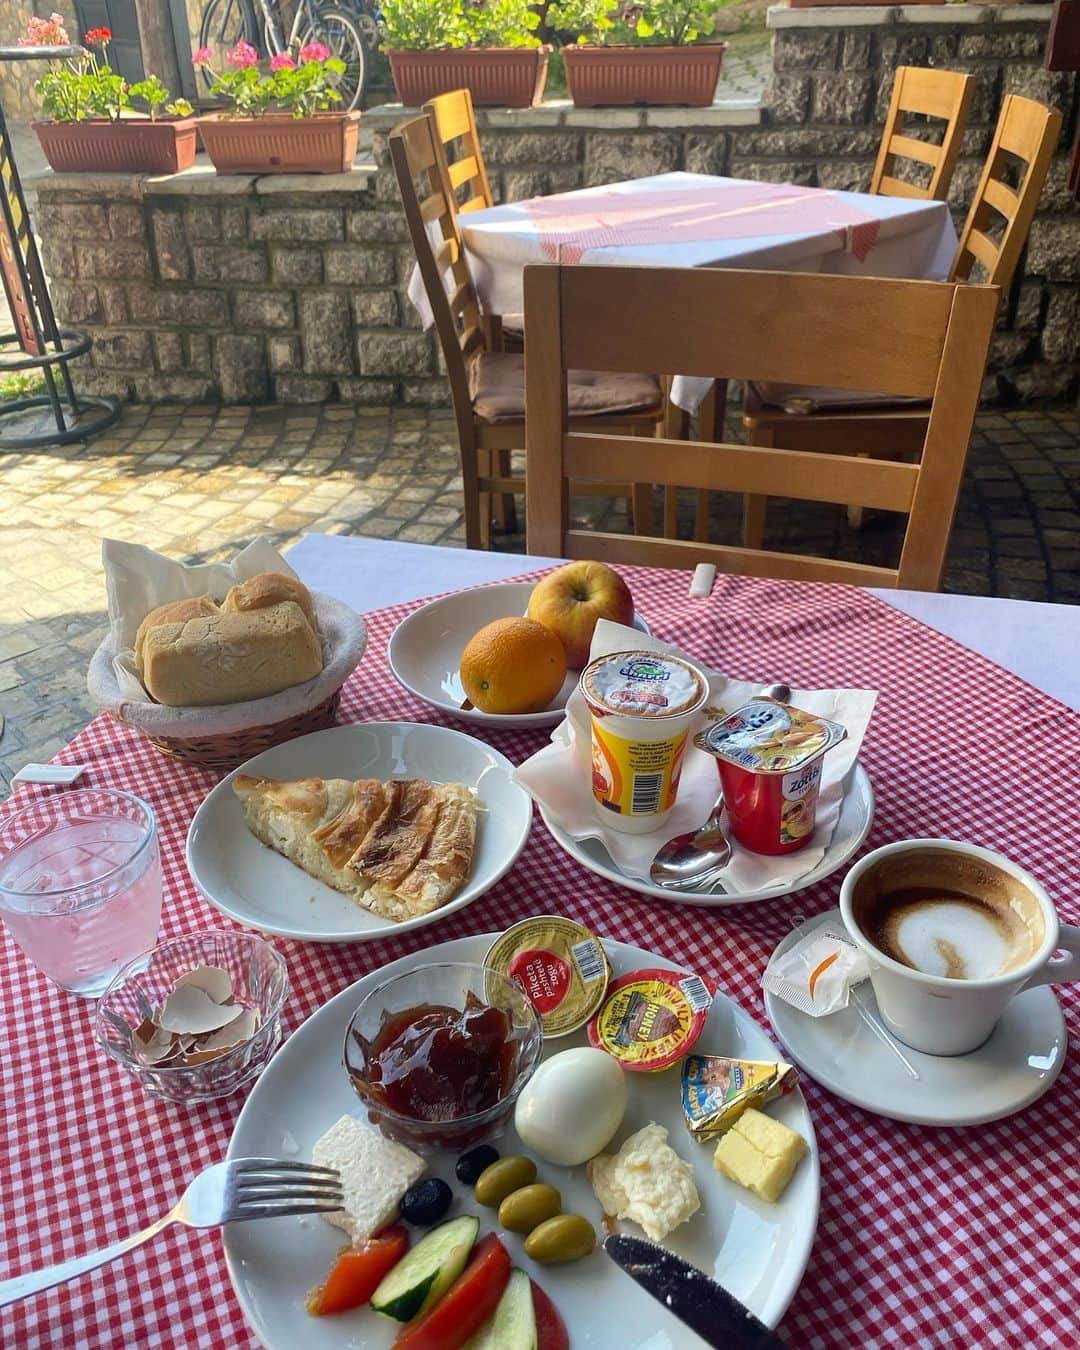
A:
471,1164
426,1202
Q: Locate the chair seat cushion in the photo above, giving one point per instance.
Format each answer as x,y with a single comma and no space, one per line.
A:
803,402
497,386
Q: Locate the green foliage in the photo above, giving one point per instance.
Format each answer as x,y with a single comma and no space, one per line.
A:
430,25
423,25
308,88
156,97
651,22
82,87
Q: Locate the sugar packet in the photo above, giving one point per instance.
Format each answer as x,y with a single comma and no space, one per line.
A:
816,974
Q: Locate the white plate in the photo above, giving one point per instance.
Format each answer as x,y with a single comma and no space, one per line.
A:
856,817
425,652
250,882
1007,1073
757,1250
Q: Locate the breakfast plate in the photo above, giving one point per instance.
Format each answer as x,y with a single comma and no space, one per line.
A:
856,817
425,652
755,1249
256,886
852,1054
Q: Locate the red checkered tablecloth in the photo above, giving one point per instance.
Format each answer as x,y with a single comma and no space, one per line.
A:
927,1237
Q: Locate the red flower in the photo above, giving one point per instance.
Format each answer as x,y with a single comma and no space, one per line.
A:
96,36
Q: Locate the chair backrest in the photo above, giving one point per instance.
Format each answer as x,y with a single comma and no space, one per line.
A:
454,124
922,339
997,225
426,197
943,94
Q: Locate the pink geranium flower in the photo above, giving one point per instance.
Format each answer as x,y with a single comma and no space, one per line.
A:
314,51
243,55
203,57
48,32
282,61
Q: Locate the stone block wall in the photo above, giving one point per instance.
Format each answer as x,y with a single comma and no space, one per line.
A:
293,289
17,77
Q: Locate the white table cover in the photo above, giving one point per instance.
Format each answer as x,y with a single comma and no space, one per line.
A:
1038,642
916,239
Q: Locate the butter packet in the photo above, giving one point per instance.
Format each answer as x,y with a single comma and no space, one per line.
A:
816,973
716,1091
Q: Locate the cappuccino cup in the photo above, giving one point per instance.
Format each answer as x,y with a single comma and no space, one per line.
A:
952,933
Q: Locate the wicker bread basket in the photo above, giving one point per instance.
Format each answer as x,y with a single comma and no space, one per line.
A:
223,736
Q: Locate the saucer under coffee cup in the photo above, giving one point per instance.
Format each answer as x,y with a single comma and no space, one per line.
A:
952,932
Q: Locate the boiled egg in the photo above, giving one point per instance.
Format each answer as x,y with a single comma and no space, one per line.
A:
572,1106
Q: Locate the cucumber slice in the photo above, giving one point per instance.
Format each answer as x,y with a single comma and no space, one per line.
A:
426,1272
513,1324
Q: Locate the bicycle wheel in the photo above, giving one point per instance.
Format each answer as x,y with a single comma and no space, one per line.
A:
224,24
345,37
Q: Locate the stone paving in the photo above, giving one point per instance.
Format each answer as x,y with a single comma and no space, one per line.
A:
199,482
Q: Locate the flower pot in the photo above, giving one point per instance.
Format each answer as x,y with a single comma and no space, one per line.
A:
603,76
503,77
130,145
278,143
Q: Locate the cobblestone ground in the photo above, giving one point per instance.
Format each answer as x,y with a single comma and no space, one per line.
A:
198,483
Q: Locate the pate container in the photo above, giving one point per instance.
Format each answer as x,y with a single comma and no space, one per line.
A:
768,756
642,706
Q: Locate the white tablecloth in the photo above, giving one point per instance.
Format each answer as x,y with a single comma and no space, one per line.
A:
1038,642
916,239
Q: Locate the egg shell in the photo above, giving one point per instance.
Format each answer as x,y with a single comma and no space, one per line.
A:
572,1106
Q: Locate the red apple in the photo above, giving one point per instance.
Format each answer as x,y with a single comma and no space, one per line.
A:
571,599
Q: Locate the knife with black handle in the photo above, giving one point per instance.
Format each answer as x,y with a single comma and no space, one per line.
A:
705,1306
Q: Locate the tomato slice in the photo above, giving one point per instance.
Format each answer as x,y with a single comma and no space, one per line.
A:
466,1305
551,1331
358,1272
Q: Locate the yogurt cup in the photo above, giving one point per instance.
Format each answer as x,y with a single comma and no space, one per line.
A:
642,706
768,756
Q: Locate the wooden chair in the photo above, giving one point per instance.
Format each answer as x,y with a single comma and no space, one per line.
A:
925,339
991,243
943,94
487,387
454,123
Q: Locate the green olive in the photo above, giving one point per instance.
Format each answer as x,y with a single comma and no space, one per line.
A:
567,1237
527,1208
496,1182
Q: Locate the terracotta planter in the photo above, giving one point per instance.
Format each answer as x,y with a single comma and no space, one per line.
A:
131,145
605,76
278,143
503,77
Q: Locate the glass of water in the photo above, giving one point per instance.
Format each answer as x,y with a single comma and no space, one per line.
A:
80,884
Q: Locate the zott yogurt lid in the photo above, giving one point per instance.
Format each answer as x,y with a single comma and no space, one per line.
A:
643,684
769,737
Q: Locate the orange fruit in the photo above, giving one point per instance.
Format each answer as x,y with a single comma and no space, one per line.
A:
513,666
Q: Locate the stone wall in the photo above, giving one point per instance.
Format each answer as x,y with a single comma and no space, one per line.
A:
294,288
17,77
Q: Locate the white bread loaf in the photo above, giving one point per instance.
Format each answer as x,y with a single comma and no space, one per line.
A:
266,589
230,657
177,611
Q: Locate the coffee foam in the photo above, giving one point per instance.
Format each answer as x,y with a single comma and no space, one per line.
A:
948,914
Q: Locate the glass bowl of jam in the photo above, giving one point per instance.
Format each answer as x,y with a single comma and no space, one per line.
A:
440,1054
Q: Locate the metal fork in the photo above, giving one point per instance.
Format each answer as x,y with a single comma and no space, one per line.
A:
245,1188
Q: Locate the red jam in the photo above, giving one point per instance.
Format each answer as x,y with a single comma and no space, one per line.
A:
436,1063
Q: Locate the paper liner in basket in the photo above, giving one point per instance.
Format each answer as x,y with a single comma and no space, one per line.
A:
137,580
559,778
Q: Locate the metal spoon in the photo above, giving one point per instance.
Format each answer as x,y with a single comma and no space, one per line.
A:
688,858
780,692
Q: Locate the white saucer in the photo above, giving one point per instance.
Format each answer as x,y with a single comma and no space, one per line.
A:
425,652
1014,1068
856,817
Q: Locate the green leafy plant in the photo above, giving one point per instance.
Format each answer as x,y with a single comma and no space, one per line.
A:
156,97
423,25
503,23
651,22
303,85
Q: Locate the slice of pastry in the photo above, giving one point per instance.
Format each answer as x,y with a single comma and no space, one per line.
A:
400,848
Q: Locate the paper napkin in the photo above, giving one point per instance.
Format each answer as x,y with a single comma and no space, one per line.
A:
559,776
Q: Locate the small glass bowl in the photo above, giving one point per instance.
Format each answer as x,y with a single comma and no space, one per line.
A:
444,984
259,981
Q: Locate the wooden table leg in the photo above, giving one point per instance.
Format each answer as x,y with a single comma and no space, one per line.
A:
711,416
